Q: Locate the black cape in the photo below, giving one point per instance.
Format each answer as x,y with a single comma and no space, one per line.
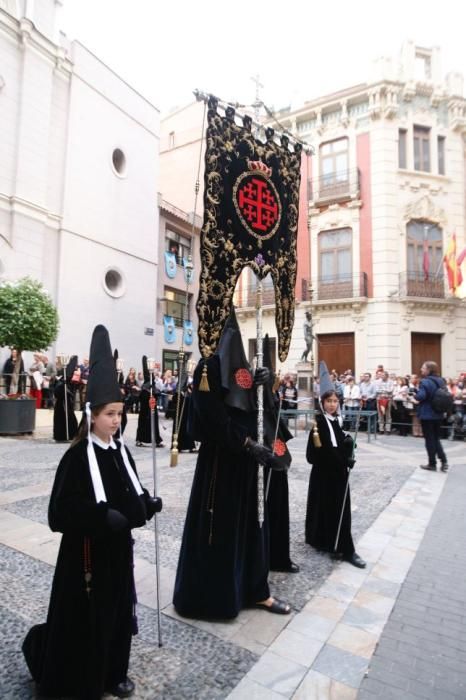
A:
59,413
143,432
327,485
223,562
84,646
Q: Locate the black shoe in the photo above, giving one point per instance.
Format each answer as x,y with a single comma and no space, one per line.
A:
291,569
124,689
429,467
444,467
356,560
336,555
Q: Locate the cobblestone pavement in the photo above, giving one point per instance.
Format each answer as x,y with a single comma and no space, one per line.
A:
200,659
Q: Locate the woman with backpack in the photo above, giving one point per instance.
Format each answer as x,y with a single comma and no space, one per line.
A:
432,399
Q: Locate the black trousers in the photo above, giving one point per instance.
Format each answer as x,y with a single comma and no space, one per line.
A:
431,431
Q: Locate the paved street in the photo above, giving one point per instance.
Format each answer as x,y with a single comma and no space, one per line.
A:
348,626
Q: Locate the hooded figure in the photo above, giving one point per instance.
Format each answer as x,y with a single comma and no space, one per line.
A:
183,397
144,432
83,649
65,425
277,498
223,563
121,381
330,451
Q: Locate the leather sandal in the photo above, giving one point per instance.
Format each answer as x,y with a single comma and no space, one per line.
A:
277,606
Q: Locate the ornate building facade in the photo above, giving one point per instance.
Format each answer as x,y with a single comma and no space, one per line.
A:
383,193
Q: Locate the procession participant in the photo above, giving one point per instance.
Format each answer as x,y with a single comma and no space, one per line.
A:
278,506
65,425
330,451
185,440
83,649
144,432
223,562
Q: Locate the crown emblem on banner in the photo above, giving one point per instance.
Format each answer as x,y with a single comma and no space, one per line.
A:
259,165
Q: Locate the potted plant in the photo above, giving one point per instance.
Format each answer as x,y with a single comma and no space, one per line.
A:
28,322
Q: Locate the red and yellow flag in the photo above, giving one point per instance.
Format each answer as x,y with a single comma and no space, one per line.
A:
452,264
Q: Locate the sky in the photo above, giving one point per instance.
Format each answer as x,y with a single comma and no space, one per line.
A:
301,50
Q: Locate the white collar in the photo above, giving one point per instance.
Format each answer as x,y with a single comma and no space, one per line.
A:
330,416
102,444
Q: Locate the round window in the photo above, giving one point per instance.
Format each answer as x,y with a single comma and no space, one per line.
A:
114,283
119,161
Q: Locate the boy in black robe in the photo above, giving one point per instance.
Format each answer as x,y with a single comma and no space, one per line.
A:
330,451
83,649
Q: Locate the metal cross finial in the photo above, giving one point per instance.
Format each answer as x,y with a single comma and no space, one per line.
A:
258,102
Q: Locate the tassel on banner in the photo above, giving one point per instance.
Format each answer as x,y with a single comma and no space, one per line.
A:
204,383
174,451
315,436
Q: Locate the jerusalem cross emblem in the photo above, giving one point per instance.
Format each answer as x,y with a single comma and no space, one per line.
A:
257,204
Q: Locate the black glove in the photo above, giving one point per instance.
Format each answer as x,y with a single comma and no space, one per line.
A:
348,445
153,505
261,376
350,462
264,455
116,521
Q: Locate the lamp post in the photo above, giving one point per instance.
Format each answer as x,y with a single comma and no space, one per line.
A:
64,361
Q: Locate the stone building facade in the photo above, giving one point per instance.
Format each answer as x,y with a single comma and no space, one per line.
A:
78,183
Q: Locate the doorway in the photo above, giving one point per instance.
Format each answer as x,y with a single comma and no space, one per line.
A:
424,347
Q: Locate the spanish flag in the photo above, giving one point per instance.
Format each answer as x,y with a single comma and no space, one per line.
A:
452,264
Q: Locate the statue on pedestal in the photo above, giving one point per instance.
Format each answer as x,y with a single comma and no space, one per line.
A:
308,337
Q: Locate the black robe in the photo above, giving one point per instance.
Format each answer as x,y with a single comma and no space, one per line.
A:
143,432
327,484
279,521
59,414
223,562
185,439
84,647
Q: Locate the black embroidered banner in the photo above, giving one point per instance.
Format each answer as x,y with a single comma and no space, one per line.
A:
251,204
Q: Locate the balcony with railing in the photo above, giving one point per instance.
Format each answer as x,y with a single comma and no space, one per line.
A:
245,297
336,288
336,186
418,284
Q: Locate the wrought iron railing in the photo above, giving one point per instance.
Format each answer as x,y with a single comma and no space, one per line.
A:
338,287
337,185
418,284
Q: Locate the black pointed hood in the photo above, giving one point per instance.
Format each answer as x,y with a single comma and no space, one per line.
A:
145,370
102,386
70,368
235,370
325,383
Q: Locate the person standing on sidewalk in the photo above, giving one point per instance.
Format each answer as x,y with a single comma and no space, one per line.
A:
330,451
430,419
83,649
